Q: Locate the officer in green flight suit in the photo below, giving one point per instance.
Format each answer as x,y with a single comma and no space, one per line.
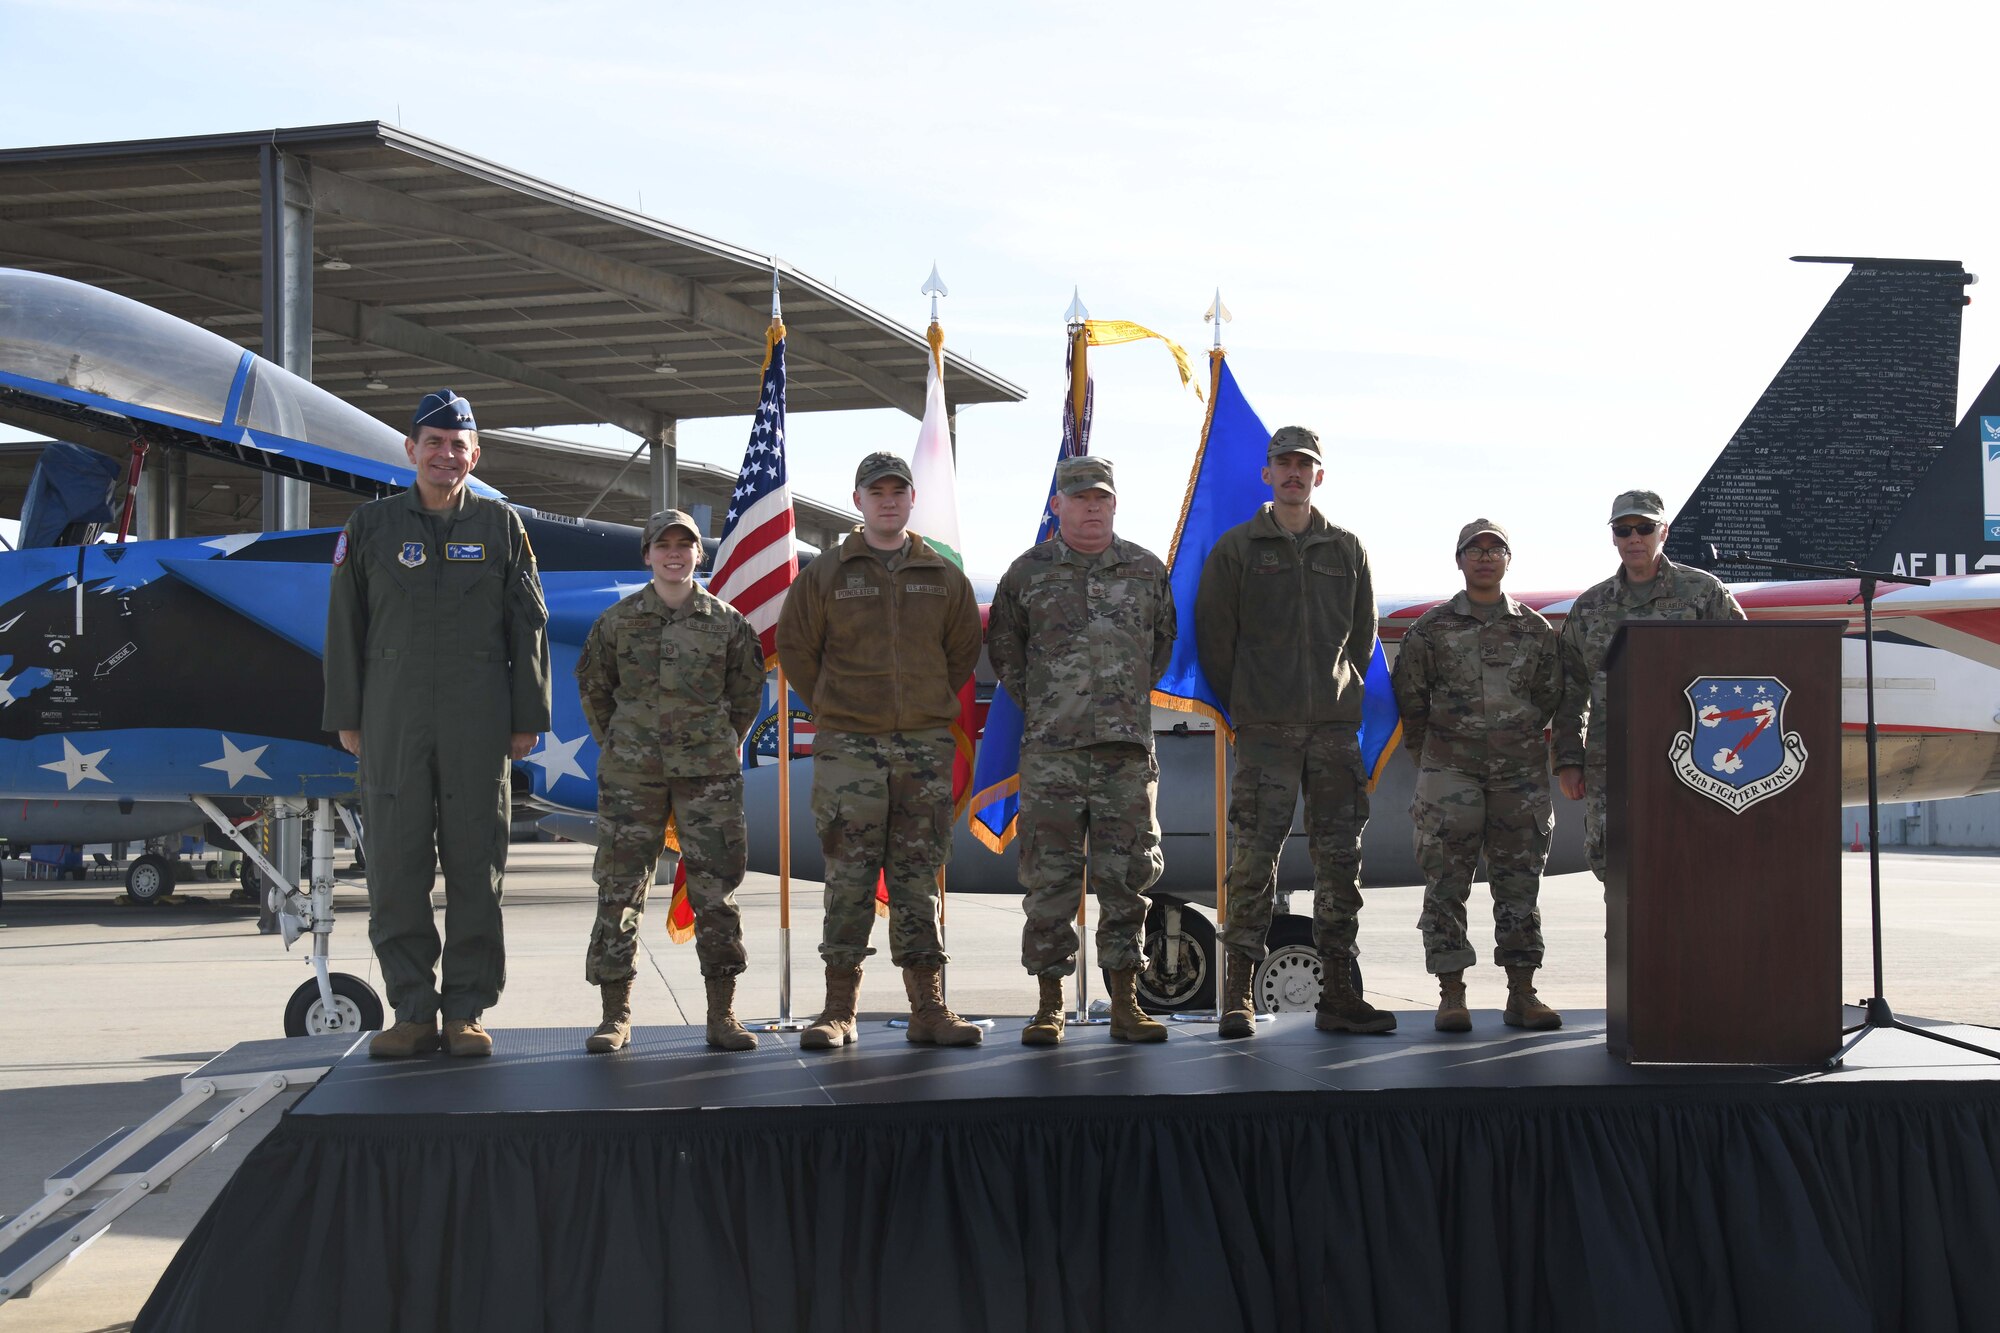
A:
437,676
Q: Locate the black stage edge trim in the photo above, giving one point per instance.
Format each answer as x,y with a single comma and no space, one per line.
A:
1828,1206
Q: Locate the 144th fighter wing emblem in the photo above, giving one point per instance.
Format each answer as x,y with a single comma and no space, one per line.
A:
1736,751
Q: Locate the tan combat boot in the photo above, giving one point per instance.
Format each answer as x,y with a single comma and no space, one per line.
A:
1452,1015
931,1023
724,1032
835,1026
1239,1006
406,1038
1340,1009
615,1032
464,1036
1046,1027
1128,1021
1524,1010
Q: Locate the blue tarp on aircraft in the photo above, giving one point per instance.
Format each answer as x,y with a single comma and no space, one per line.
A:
70,484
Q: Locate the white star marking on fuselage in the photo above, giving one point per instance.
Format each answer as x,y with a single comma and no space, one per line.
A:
75,766
557,758
238,764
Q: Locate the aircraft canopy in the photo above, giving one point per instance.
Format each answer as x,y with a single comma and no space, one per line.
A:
66,347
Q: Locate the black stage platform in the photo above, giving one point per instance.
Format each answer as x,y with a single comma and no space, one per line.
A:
1496,1180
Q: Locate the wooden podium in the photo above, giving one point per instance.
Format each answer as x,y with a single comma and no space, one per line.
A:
1722,842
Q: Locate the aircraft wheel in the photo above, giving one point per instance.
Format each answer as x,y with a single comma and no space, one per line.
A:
149,879
356,1008
1186,979
1288,980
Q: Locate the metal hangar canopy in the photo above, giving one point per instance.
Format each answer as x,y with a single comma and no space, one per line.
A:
430,266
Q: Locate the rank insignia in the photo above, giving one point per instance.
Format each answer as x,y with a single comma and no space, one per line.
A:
1736,750
465,551
411,555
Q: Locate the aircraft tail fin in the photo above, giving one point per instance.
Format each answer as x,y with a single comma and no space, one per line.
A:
1951,523
1831,454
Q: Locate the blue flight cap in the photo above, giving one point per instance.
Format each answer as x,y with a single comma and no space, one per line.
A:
444,410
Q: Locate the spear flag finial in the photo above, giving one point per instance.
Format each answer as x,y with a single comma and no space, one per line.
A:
1218,315
934,288
1077,312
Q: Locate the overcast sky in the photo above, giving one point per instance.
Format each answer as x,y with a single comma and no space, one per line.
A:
1507,259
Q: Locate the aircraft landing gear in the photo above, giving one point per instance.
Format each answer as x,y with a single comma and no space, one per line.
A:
1288,980
355,1008
149,879
331,1001
246,884
1180,959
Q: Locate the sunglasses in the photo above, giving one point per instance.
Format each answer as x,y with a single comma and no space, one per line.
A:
1627,529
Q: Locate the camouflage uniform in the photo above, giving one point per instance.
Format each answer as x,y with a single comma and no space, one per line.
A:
878,643
1476,686
1678,593
1078,640
1286,628
882,805
669,696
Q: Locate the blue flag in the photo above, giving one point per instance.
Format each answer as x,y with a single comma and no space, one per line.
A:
1225,488
996,770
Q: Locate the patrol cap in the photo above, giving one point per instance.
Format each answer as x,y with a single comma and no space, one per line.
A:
1477,527
670,518
1295,440
879,465
446,410
1638,504
1084,472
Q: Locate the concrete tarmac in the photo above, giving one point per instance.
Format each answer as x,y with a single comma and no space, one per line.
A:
105,1007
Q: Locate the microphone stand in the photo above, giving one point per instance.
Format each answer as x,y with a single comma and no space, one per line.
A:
1875,1010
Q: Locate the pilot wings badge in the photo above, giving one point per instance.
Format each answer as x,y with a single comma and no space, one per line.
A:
1736,751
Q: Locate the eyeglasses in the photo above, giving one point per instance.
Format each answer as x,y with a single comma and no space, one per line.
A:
1486,552
1627,529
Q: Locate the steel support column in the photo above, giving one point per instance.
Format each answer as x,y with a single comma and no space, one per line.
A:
288,314
664,490
288,325
152,519
176,497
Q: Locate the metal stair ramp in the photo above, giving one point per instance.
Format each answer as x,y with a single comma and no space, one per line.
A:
84,1197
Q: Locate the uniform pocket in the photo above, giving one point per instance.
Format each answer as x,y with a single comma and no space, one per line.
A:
701,662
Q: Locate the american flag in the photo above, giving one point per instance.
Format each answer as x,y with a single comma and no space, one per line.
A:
757,561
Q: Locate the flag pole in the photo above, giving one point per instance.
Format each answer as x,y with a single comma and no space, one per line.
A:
784,1022
934,517
934,336
1077,317
1082,1017
1218,314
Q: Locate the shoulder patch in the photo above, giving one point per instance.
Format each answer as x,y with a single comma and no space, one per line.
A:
340,551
